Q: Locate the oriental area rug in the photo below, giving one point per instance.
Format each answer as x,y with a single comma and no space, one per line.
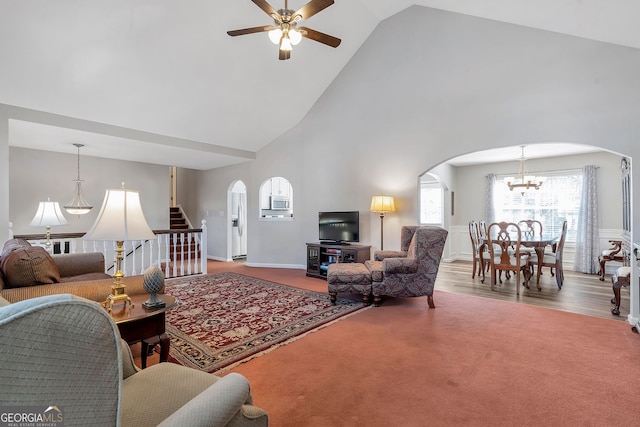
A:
224,319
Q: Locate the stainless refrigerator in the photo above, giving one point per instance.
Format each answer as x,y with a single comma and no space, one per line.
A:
238,225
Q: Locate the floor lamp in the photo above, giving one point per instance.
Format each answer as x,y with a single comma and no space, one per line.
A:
120,218
382,205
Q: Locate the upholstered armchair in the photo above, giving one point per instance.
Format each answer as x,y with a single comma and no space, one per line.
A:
406,234
64,353
413,275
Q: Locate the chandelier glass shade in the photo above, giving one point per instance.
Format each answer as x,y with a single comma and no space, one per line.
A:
78,205
524,182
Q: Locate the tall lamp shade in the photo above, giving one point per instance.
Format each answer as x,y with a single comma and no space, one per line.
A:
120,218
382,205
48,215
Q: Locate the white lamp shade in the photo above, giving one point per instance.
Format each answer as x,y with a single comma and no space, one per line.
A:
48,214
285,43
382,204
120,218
295,36
275,36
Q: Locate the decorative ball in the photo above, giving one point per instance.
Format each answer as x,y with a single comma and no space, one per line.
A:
153,280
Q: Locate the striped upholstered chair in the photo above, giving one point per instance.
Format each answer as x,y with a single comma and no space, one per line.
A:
64,354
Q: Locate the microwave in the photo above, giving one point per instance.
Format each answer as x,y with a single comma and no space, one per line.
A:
280,203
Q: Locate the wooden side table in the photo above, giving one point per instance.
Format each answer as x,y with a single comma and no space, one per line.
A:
139,324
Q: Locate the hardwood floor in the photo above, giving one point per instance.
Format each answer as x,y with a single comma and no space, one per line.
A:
580,293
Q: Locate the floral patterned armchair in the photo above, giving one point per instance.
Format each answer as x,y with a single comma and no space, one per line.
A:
413,275
406,234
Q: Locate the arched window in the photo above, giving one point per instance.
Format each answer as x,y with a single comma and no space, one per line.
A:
276,198
431,201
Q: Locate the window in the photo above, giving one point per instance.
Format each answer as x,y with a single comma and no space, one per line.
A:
431,201
557,200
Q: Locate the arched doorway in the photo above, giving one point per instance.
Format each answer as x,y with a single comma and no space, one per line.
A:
238,223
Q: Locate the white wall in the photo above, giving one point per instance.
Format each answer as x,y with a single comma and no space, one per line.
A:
4,176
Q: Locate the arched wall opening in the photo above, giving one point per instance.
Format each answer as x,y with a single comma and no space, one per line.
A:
237,233
465,176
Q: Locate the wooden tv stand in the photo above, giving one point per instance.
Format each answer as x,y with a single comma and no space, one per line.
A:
320,255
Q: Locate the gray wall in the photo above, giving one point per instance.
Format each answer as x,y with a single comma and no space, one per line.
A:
471,184
35,175
186,195
425,87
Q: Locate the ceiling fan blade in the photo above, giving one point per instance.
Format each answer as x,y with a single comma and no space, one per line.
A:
311,8
268,9
284,54
319,37
251,30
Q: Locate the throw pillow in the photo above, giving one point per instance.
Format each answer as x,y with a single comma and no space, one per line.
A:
28,267
14,244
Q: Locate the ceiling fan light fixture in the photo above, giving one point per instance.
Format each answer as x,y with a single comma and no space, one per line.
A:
285,43
275,36
284,31
295,36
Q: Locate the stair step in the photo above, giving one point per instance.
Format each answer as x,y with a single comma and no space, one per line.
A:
177,221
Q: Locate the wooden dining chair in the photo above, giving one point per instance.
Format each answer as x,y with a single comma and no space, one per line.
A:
530,227
553,260
504,247
482,229
479,249
614,253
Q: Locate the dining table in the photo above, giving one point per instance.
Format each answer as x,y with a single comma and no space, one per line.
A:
537,242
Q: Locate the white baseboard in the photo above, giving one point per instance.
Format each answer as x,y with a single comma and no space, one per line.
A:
267,265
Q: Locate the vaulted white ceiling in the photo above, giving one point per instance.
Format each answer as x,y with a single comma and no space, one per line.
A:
168,69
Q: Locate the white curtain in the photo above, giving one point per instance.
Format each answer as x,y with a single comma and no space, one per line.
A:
490,209
587,238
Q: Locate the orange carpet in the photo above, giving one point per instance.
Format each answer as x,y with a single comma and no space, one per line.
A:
470,361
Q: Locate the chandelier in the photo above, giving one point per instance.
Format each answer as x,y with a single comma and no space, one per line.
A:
78,205
525,182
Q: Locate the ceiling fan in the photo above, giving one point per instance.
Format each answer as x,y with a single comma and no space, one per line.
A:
286,32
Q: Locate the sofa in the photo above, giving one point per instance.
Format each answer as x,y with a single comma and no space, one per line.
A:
63,355
28,271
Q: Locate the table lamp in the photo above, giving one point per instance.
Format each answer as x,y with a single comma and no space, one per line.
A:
382,205
120,218
48,215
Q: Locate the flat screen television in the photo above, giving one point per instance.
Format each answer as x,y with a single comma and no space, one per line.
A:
339,227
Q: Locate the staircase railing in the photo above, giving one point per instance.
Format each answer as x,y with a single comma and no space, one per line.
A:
181,252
